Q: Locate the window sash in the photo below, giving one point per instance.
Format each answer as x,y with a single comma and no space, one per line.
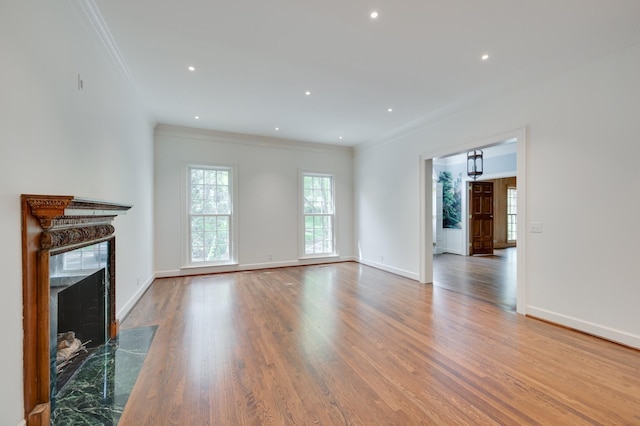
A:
318,234
210,238
318,194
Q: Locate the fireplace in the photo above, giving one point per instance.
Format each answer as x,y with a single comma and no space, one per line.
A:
68,252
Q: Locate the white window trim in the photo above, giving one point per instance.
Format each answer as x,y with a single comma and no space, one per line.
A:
185,236
301,241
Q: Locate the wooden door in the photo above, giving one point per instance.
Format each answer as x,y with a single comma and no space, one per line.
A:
481,218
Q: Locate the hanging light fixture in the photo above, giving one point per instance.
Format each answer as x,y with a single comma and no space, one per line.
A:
474,163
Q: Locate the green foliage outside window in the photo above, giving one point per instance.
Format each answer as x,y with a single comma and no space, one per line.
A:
210,214
318,214
451,200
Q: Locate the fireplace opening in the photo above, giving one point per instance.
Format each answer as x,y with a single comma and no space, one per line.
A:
78,309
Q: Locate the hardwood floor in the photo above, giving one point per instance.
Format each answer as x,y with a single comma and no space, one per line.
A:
488,278
346,344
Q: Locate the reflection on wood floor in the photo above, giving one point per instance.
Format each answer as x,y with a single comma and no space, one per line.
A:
346,344
488,278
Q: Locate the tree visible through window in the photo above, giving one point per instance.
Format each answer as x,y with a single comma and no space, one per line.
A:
451,200
318,214
210,208
512,217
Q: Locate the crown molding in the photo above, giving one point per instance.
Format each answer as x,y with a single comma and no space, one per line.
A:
97,22
251,140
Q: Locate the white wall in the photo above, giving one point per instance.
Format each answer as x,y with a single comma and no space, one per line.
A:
581,165
387,208
267,188
59,140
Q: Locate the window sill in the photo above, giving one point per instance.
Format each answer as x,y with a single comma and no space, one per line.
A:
209,265
319,256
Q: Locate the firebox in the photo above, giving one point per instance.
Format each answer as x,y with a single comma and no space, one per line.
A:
78,309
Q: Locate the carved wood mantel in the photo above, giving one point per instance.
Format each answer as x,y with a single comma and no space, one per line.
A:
52,225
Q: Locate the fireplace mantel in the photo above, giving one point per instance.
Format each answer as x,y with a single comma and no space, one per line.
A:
52,225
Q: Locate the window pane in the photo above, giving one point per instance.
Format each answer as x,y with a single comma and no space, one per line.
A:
308,222
197,176
196,199
223,178
197,254
197,224
222,200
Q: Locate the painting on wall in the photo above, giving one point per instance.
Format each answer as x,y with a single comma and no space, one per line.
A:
451,200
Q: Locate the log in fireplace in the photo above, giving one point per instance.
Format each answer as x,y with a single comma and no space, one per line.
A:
53,226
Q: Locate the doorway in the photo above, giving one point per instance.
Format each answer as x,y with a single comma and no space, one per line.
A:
428,235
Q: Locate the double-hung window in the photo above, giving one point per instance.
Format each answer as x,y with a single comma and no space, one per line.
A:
512,214
210,215
318,214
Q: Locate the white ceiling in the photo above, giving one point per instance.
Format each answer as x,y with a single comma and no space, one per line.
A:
255,59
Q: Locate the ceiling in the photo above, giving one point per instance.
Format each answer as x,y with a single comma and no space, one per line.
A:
254,60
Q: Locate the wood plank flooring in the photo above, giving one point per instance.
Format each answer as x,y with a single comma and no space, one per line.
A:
346,344
490,278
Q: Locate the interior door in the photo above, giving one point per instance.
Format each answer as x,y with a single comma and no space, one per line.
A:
481,218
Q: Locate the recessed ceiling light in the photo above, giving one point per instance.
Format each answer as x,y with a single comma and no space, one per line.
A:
191,68
389,109
277,128
340,137
197,117
374,14
307,93
485,57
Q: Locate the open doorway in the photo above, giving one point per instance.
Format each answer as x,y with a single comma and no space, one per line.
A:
474,225
453,239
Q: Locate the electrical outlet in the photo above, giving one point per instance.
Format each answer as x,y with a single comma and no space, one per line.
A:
381,258
535,227
270,256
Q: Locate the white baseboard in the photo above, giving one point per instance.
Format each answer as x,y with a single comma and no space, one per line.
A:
387,268
608,333
126,308
452,251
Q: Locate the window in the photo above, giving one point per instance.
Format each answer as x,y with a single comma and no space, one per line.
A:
318,214
512,217
210,219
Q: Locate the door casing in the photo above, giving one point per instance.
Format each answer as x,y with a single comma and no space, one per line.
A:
426,208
